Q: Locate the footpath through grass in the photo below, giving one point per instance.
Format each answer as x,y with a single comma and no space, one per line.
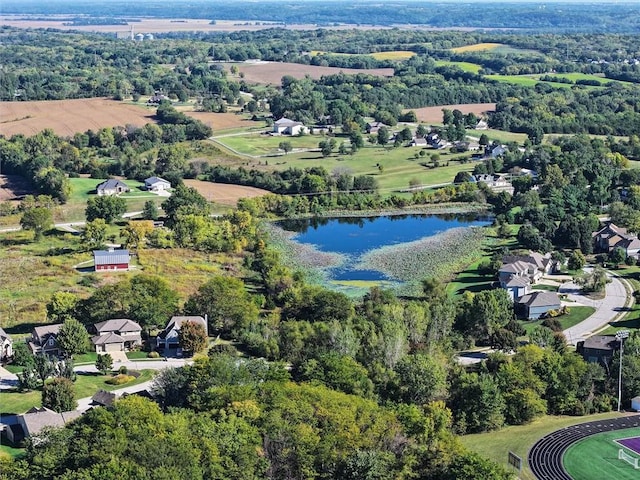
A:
596,457
520,438
14,402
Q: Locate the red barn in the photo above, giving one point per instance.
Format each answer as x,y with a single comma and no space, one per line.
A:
110,260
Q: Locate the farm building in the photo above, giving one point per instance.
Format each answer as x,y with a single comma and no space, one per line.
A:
112,187
157,184
285,126
105,260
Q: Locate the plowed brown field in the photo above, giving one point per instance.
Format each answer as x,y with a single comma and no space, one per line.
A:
272,72
224,193
434,114
66,117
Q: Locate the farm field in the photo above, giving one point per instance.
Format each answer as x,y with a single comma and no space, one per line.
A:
224,193
520,438
434,114
477,47
464,66
391,55
596,457
271,73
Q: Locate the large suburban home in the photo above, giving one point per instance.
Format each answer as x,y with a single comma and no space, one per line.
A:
168,339
44,340
156,184
374,127
6,346
35,420
286,126
112,187
116,335
598,348
519,272
538,304
611,236
517,287
111,260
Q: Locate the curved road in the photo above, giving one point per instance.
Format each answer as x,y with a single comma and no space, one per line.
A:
545,457
614,303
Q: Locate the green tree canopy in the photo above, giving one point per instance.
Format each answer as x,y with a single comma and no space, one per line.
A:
38,220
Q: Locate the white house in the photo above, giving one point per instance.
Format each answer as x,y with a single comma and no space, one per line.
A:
6,346
156,184
286,126
168,339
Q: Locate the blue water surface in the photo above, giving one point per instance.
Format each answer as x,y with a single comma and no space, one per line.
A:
354,236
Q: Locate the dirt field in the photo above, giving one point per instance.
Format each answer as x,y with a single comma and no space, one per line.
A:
272,72
67,117
13,187
224,193
434,114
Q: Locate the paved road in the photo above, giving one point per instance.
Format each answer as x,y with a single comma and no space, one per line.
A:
545,457
607,310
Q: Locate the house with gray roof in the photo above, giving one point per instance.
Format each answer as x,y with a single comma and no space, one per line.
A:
598,348
111,260
44,340
286,126
35,420
169,338
116,335
539,303
611,236
112,187
102,398
156,184
6,346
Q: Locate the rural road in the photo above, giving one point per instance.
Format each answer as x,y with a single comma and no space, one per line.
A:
614,303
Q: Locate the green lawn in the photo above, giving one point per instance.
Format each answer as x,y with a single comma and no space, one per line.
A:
7,451
520,438
499,135
85,386
465,66
568,320
596,457
259,144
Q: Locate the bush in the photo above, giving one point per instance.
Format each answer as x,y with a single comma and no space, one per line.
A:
123,370
153,355
224,348
553,324
120,379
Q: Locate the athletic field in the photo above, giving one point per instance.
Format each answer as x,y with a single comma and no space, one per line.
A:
596,457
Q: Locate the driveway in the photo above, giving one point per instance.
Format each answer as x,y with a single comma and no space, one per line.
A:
613,305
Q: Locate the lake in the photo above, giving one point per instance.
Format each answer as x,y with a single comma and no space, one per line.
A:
355,236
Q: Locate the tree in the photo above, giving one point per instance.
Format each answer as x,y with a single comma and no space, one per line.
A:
420,379
73,338
285,146
58,395
22,355
38,219
62,307
135,234
150,210
576,260
617,256
192,337
383,136
107,207
94,234
104,363
183,201
226,303
28,379
43,367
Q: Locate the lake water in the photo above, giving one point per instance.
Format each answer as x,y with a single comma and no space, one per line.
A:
354,236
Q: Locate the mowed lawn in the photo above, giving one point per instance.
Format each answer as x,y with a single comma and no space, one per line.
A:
85,386
260,144
568,320
596,457
520,438
464,66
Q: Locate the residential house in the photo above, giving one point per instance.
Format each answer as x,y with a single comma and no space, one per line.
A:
611,236
544,263
102,398
538,304
111,260
157,184
43,340
496,182
418,142
168,339
519,272
157,96
495,151
112,187
116,335
481,125
286,126
35,420
374,127
6,346
598,348
517,287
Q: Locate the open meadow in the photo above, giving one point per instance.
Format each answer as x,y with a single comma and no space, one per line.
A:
434,114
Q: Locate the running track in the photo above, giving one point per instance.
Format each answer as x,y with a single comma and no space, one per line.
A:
545,457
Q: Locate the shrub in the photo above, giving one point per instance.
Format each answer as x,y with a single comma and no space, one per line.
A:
123,369
553,324
120,379
153,355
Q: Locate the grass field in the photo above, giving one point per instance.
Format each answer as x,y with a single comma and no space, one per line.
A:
393,55
464,66
596,457
568,320
499,135
259,144
520,438
85,386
